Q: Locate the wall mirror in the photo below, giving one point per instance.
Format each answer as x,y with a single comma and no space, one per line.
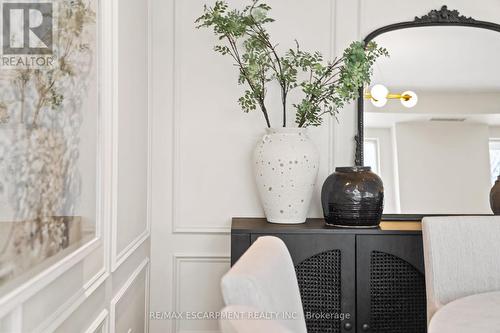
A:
442,155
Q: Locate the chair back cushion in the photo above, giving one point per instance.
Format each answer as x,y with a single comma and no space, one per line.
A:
462,257
264,278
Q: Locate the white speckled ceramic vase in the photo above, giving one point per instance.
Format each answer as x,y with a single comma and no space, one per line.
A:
286,165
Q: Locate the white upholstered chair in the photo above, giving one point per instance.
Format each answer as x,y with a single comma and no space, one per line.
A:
239,319
478,313
264,278
462,258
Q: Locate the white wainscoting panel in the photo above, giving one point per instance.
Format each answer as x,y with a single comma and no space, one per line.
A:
100,324
78,303
131,219
75,294
128,309
12,322
196,289
42,309
79,315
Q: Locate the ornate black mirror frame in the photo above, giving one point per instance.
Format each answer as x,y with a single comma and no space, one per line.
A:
442,17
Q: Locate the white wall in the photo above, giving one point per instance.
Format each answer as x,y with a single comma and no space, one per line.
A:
104,286
443,167
202,141
386,172
418,155
494,132
452,158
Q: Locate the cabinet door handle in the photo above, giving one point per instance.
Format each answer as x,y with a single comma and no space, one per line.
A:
365,327
348,326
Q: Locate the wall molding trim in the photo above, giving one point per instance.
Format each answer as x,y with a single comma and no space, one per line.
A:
331,123
14,320
178,259
200,229
144,265
65,310
101,319
177,226
114,141
40,281
117,258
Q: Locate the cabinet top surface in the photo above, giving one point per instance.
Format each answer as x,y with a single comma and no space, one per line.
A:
260,225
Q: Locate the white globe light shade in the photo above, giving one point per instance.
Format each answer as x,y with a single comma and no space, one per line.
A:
379,92
412,101
379,102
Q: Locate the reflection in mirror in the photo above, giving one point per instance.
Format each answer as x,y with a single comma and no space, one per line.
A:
442,155
48,147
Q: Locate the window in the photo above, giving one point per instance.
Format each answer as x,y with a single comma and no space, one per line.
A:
494,159
371,154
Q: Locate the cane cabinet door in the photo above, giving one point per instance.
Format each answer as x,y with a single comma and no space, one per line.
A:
390,284
325,266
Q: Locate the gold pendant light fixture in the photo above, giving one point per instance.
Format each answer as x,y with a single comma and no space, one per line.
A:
379,95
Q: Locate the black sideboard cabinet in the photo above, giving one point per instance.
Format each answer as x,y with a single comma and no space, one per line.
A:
350,280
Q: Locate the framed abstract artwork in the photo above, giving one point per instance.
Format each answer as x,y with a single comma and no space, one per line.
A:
49,134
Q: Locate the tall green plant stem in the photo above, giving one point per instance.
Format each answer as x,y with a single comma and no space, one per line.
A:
261,95
261,34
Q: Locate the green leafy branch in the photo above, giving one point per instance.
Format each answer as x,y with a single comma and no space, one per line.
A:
327,87
330,87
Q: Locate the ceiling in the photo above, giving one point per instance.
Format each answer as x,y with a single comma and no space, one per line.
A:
440,59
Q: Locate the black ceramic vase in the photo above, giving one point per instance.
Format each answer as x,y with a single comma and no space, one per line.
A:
353,197
495,197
